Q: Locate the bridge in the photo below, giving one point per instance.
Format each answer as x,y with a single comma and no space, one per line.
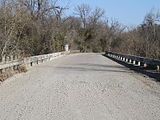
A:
83,86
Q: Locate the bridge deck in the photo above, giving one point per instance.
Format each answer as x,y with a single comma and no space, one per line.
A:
79,87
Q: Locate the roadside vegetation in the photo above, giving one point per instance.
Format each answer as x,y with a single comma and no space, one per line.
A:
33,27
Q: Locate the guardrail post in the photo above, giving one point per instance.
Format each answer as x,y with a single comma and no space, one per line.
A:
148,63
134,62
139,63
126,59
130,61
145,65
158,68
112,55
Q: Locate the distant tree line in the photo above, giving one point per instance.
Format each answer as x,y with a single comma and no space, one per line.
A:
33,27
144,40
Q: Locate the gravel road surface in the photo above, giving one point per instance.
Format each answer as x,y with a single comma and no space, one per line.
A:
80,87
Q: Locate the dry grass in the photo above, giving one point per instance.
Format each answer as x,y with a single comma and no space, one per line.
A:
10,72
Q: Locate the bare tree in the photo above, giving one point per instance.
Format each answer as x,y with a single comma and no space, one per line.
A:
83,11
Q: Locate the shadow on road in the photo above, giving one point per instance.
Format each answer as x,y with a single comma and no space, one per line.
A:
100,65
84,69
151,73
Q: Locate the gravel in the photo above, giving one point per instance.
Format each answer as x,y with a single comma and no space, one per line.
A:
80,87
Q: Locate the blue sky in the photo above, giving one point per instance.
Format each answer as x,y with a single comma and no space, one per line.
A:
127,12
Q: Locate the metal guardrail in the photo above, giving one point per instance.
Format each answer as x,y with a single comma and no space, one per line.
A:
135,60
29,61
